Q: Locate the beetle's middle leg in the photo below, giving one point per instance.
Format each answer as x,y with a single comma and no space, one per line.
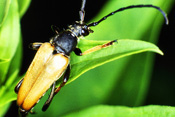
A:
56,90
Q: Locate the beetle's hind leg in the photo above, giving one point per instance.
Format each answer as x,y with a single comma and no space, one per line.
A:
47,103
35,46
56,90
65,79
78,52
18,85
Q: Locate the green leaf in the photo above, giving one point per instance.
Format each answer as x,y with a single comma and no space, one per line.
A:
23,6
4,60
3,109
4,8
121,111
132,85
10,54
15,65
7,93
9,35
123,48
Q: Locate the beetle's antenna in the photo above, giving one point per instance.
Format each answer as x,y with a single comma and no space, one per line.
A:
129,7
82,12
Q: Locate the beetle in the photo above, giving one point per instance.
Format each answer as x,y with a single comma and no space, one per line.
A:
52,60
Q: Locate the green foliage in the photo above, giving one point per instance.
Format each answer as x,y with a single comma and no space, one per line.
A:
121,111
10,46
119,49
121,82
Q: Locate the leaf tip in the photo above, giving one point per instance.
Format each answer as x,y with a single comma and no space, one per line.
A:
160,52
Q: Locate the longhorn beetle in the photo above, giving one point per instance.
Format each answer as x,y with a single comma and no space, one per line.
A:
52,60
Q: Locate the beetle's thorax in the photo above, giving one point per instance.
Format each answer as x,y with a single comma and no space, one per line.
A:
66,41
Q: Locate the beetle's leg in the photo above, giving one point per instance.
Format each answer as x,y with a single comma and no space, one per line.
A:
18,85
23,113
47,103
55,91
55,29
78,51
35,46
65,79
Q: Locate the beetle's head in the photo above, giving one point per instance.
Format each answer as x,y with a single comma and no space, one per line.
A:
80,29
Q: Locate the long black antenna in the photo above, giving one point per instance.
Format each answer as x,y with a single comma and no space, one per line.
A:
129,7
82,11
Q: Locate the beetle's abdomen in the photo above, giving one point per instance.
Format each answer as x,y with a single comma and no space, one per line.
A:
45,68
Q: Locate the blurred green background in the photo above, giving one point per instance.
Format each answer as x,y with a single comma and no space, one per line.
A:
133,81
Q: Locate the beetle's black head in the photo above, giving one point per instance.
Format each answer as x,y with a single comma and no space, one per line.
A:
80,29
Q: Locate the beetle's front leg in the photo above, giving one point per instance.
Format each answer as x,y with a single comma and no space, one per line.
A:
78,52
55,91
35,46
18,85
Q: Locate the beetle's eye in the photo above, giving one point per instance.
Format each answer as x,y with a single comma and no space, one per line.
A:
84,32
